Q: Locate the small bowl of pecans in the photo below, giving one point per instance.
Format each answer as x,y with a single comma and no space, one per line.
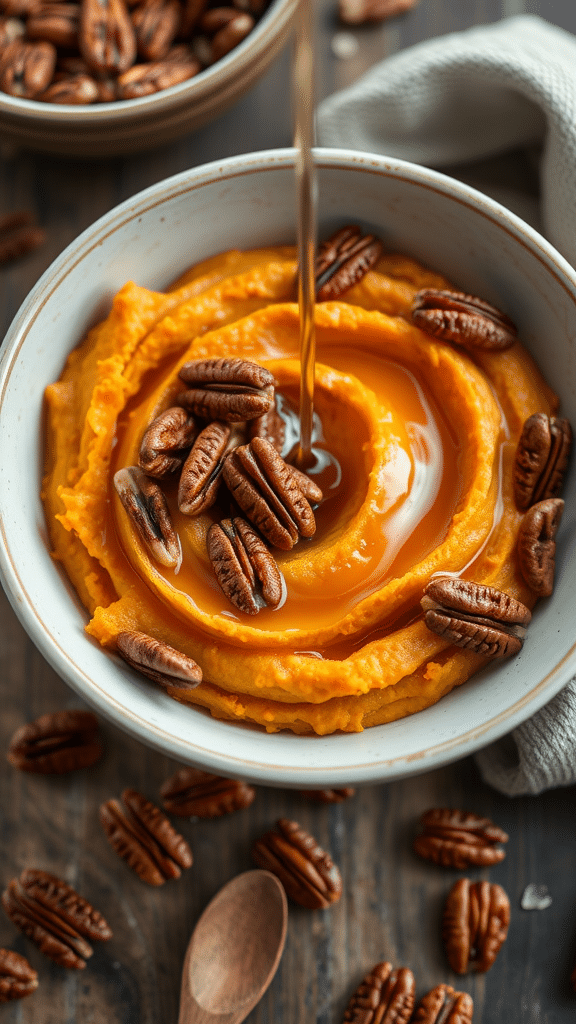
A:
140,535
87,78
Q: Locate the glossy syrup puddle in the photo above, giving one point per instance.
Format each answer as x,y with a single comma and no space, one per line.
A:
422,490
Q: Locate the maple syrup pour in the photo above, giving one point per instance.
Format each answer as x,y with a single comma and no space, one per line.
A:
303,93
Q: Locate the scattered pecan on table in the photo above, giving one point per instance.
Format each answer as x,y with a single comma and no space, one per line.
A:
142,835
463,319
245,569
269,493
228,389
56,743
17,977
343,260
474,925
54,917
541,459
328,796
158,661
385,996
306,871
19,234
458,839
358,12
193,793
536,545
475,616
443,1005
145,505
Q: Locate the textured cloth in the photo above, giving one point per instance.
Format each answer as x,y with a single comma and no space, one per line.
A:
465,102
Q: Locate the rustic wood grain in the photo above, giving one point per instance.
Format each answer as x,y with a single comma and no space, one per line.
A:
392,902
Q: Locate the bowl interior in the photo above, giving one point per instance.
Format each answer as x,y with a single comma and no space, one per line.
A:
246,202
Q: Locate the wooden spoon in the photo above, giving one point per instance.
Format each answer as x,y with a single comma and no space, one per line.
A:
234,951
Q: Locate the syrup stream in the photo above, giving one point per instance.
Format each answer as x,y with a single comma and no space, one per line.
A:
303,86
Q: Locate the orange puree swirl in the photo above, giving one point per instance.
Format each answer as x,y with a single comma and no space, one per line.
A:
415,442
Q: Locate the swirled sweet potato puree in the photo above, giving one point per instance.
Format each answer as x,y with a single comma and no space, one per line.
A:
415,443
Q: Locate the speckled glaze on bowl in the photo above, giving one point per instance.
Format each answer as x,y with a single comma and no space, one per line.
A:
245,202
130,126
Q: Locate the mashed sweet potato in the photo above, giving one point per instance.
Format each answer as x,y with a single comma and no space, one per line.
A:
420,437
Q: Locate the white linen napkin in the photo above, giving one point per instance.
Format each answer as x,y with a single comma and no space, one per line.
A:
453,102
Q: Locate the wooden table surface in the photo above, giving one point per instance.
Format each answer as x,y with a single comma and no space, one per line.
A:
392,902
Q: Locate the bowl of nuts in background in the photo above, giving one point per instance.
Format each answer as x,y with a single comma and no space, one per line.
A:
91,79
244,203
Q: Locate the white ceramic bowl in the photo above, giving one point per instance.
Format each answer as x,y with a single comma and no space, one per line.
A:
245,202
129,126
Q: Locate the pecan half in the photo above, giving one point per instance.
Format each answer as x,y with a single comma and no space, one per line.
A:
147,508
19,235
443,1005
270,426
158,661
475,925
156,24
226,389
537,545
202,471
343,260
358,12
56,22
192,12
144,838
462,319
18,8
328,796
306,871
26,69
56,743
54,917
166,442
244,568
192,793
17,977
309,487
267,490
145,79
541,459
75,89
385,996
216,18
475,616
255,7
10,29
458,839
106,37
231,34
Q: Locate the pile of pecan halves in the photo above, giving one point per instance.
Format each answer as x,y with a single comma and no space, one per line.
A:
98,51
63,924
